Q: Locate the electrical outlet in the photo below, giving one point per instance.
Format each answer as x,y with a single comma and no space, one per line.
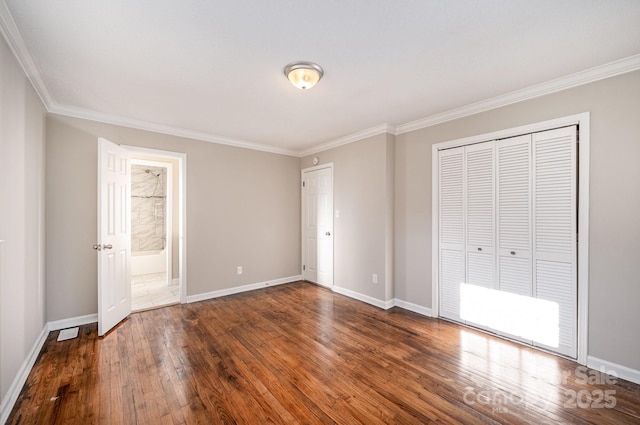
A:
239,270
374,278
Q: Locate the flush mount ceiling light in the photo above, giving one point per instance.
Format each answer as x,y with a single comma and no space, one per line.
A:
303,75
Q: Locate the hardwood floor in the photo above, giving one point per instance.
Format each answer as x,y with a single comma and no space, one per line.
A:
298,353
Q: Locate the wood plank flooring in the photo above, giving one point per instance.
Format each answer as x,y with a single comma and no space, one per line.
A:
300,354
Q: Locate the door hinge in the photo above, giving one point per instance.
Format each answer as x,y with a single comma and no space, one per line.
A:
303,183
304,267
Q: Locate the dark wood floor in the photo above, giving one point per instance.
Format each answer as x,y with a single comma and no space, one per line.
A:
298,353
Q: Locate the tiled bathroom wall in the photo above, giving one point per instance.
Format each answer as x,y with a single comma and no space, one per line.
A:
148,207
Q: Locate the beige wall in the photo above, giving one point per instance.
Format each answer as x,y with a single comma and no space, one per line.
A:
243,209
389,196
22,284
362,232
614,275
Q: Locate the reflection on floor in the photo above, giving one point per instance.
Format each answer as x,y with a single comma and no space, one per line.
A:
151,290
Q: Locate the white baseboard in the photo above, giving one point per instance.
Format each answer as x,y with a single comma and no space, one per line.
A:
239,289
620,371
425,311
10,398
72,322
385,305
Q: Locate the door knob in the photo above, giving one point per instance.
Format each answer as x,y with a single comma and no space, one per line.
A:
328,233
99,247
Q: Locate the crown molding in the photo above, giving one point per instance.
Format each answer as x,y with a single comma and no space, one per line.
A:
17,45
13,36
622,66
349,138
165,129
11,33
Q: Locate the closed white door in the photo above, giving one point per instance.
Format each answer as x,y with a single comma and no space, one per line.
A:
514,214
507,237
452,265
513,174
114,238
317,225
480,234
480,216
555,250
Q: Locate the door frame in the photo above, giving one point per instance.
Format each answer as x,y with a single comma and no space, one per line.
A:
583,121
302,222
182,208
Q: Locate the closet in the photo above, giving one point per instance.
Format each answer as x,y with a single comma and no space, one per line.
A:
507,247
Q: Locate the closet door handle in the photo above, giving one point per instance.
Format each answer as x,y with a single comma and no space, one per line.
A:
513,253
479,249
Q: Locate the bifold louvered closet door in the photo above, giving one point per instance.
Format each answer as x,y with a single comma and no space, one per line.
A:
507,237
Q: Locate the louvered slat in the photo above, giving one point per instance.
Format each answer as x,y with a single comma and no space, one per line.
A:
555,282
555,192
515,275
480,184
451,197
480,269
451,276
513,194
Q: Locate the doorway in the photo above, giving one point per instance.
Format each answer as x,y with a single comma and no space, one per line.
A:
152,280
317,225
158,263
166,169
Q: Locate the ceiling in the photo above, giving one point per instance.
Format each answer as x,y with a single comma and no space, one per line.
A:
214,69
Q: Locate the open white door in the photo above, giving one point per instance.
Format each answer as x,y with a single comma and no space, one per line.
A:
317,225
114,239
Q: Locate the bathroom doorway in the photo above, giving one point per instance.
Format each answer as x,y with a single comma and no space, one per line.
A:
154,280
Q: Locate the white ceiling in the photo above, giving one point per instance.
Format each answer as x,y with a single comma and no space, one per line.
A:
214,69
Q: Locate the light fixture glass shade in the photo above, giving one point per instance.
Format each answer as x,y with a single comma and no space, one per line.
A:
303,75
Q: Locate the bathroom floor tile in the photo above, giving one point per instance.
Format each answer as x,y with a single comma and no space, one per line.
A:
151,290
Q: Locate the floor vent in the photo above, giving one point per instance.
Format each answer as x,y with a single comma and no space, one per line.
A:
68,334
